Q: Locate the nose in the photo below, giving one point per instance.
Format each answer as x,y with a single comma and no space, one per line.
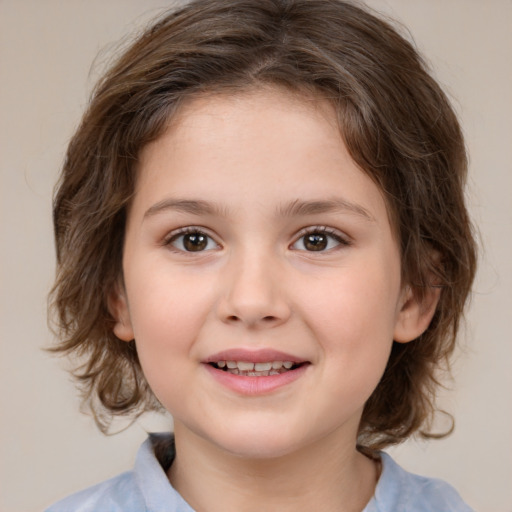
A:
253,293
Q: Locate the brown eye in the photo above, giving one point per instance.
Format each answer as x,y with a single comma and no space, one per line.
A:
319,240
316,242
193,241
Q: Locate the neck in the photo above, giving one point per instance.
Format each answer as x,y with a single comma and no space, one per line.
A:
326,475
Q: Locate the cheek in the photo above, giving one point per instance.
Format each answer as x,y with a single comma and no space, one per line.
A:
166,320
349,304
354,321
167,305
163,333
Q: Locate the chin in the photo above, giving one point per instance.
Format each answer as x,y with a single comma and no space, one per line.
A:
257,442
258,448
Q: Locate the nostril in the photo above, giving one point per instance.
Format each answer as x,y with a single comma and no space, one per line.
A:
265,319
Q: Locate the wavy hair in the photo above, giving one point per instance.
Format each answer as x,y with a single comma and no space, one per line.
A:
395,120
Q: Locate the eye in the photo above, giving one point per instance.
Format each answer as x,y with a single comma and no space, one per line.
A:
319,240
192,240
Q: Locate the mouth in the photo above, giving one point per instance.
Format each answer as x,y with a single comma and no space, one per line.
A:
260,369
260,372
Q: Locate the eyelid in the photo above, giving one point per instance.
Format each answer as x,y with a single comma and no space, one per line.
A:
176,233
342,239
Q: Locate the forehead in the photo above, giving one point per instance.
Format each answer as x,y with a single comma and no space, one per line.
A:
250,114
223,146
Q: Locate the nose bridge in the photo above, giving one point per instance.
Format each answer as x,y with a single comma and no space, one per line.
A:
254,294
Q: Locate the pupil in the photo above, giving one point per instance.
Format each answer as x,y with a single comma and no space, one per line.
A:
315,242
195,241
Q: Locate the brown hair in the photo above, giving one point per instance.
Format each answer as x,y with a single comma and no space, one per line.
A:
395,120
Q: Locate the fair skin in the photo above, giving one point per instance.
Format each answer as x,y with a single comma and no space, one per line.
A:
253,237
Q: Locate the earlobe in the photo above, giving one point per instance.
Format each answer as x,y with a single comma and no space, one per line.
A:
118,307
415,313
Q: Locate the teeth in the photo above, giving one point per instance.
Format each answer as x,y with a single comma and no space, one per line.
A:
255,369
262,367
245,367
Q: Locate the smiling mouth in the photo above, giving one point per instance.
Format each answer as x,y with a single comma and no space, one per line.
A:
249,369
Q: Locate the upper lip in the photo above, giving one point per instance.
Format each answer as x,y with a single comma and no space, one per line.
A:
253,356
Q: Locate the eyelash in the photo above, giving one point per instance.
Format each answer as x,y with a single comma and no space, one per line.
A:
341,241
189,230
322,230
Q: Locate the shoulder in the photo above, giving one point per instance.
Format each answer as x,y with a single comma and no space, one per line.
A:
143,489
120,493
401,491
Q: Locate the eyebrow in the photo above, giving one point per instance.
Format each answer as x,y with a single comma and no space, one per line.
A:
334,205
193,206
294,208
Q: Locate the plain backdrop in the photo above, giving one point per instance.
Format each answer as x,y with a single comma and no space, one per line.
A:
51,52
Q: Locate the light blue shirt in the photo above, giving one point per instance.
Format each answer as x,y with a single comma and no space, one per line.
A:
147,489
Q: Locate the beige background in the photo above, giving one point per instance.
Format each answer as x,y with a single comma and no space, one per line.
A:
48,449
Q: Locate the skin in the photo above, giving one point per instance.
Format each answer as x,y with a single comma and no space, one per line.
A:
256,285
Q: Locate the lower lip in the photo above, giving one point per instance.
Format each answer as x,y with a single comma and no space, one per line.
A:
255,385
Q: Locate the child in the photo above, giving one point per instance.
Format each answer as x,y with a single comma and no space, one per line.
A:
260,227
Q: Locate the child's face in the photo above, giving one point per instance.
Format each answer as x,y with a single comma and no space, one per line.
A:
253,237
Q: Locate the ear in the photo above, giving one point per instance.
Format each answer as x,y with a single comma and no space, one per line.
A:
415,313
118,307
